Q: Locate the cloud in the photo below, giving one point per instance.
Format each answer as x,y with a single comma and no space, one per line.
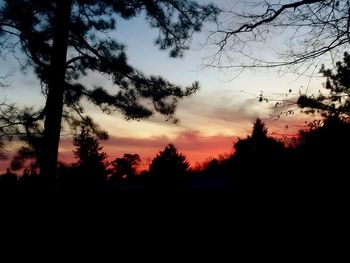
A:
245,111
196,146
186,141
4,163
208,127
217,111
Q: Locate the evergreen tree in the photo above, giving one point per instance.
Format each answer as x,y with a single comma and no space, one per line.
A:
258,145
337,101
126,166
91,164
322,157
259,160
169,167
64,40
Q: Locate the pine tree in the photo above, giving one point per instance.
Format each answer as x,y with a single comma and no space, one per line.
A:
64,40
126,166
335,103
92,162
169,167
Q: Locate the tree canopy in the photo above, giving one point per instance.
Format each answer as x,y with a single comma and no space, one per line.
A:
336,100
64,40
126,166
259,146
168,167
91,161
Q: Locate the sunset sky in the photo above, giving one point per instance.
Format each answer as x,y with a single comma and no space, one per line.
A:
210,120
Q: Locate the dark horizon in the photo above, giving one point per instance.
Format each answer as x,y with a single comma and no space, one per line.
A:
93,80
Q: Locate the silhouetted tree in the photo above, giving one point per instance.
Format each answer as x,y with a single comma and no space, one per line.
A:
65,39
316,164
91,165
322,150
126,166
258,144
168,168
8,181
259,159
337,101
21,159
314,28
4,133
19,124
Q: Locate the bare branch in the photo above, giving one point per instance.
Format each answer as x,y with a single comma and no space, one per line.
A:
301,32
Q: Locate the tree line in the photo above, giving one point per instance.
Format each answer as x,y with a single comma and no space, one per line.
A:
63,41
259,163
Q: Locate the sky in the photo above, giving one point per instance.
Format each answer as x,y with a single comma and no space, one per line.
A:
211,120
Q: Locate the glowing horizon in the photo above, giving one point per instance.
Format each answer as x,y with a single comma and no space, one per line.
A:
223,109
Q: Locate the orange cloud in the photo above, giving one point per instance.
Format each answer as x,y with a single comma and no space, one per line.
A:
193,144
3,165
196,145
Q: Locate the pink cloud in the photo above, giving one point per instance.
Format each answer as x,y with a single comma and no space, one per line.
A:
196,146
3,165
193,144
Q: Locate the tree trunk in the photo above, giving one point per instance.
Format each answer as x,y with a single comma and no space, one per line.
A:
56,82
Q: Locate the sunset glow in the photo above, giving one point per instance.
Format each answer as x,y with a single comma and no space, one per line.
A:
210,121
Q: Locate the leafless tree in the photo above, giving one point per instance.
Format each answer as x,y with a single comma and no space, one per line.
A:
280,33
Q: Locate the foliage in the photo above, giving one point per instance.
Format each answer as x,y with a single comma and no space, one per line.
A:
89,51
91,163
259,146
326,139
260,166
337,101
168,167
258,159
126,166
19,124
65,40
